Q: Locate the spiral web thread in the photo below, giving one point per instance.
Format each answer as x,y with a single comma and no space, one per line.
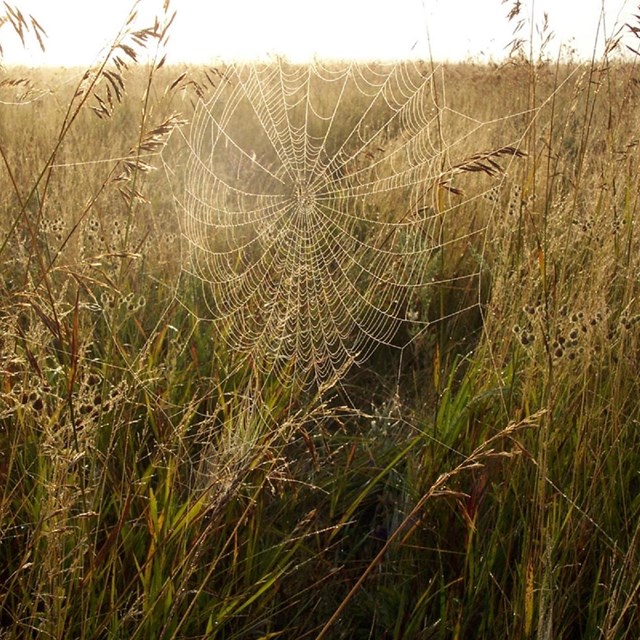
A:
307,210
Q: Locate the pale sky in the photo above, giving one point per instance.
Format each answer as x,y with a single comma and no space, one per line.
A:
213,31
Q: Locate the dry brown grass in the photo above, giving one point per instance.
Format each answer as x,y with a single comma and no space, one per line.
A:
150,486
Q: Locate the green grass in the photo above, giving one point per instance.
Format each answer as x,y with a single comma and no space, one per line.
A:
485,484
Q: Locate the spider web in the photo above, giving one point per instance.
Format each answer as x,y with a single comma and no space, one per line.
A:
309,211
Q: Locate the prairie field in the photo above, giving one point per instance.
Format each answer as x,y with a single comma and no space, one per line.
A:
403,404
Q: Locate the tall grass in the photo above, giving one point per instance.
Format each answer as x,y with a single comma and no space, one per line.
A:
483,485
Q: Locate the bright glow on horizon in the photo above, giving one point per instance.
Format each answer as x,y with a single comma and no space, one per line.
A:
356,29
